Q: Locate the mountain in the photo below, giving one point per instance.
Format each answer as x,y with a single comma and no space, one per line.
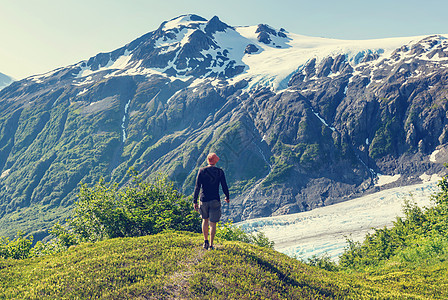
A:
299,122
5,80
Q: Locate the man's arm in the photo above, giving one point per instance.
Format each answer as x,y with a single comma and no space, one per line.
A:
197,189
224,186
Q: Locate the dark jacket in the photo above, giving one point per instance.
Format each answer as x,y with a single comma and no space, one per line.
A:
209,179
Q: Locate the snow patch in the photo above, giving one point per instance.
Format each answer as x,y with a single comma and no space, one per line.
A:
386,179
123,127
83,92
180,21
87,80
181,39
5,173
119,64
271,66
432,157
430,178
333,75
173,96
323,121
38,78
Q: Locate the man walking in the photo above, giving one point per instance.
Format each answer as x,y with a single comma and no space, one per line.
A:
209,178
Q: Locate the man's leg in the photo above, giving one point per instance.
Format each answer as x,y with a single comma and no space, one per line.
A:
203,210
215,215
205,229
212,232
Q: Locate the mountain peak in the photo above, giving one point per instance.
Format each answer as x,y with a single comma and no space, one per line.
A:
183,21
214,25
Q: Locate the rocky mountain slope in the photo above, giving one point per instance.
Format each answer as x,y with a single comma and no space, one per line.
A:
299,122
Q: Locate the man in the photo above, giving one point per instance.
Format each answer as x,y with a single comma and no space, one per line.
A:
209,178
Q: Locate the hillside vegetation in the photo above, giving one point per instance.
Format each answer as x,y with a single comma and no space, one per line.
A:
420,238
173,265
153,257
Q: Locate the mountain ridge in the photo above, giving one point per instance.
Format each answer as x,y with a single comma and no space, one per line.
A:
298,122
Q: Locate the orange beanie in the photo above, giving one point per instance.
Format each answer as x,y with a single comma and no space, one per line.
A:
212,158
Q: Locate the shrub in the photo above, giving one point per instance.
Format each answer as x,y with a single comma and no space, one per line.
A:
18,248
141,208
64,237
323,262
228,231
105,211
427,250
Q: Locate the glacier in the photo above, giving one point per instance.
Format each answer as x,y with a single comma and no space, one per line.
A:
324,230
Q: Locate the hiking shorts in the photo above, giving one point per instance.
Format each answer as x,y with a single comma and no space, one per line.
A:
210,210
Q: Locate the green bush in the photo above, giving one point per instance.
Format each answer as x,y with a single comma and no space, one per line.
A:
19,248
323,262
428,250
105,211
228,231
64,237
141,208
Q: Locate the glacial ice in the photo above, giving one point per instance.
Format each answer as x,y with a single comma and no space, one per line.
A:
326,229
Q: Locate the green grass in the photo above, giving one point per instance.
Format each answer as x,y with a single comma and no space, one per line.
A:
172,265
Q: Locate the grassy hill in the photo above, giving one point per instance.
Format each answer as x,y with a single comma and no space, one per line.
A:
172,265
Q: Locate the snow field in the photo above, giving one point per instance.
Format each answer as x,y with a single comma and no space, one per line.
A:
272,65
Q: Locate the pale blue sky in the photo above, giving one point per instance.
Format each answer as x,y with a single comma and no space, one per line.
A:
37,36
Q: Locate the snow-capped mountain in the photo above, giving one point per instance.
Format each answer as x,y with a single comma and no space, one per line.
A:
299,122
190,47
5,81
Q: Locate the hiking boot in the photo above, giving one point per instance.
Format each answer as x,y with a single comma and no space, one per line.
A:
211,248
206,245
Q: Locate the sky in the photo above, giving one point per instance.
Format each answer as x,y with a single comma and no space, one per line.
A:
37,36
